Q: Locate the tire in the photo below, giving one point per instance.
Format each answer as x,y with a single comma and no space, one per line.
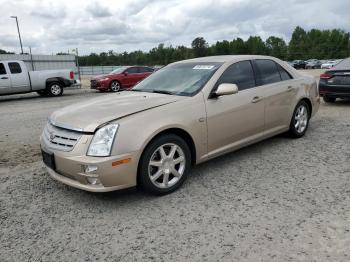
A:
42,93
300,120
328,99
163,171
115,86
54,89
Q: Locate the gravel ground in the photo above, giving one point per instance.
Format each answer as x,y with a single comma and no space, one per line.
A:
279,200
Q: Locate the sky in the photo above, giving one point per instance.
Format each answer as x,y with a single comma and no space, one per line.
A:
97,26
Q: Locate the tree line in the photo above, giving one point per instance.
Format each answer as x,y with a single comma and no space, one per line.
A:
315,43
318,44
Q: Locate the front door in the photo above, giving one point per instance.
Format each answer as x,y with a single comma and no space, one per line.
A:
5,81
235,120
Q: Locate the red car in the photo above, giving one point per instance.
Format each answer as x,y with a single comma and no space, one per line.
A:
122,78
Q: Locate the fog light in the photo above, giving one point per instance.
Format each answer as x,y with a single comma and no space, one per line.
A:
93,181
90,170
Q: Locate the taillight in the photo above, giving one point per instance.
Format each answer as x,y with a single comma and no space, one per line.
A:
71,75
326,76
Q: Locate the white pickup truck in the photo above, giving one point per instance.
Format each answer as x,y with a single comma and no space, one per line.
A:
15,78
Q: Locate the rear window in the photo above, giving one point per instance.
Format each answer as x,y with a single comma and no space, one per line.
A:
240,73
2,69
15,68
267,72
145,69
343,65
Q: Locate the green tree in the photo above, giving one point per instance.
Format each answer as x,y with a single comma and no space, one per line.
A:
199,46
256,46
238,47
298,44
276,47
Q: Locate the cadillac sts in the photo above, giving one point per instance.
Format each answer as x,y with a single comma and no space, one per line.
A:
184,114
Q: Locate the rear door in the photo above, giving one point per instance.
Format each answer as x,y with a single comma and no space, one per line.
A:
5,81
144,72
19,78
279,92
238,119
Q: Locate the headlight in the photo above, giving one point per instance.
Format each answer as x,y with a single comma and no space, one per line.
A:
102,141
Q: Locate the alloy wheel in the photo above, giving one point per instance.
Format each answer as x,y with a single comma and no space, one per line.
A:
301,119
167,165
115,86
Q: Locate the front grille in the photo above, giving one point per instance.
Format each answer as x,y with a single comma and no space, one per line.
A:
60,139
93,83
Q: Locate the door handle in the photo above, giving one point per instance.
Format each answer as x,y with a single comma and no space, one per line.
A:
4,77
256,99
289,89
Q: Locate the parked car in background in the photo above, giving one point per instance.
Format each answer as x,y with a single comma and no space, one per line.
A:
313,64
122,78
329,64
185,113
335,83
299,64
15,79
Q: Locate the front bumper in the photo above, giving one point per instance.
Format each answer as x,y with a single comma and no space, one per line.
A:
91,188
112,173
99,85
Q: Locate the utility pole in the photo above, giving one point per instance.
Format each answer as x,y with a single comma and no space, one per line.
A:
19,34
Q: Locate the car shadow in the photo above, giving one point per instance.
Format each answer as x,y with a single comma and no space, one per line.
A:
338,102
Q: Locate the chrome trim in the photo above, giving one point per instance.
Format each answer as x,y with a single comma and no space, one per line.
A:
65,126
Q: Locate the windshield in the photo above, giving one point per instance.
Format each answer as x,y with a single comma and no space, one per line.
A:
118,70
179,79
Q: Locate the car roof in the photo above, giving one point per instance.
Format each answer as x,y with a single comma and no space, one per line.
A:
226,58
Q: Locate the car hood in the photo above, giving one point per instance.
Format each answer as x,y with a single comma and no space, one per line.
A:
89,115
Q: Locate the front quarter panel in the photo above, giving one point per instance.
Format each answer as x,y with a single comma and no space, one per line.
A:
188,114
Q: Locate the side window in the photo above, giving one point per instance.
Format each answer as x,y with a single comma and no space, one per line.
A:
145,70
284,74
15,68
132,70
267,72
240,73
2,69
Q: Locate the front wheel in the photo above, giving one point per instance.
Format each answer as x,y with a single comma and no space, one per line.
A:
54,89
115,86
164,165
300,120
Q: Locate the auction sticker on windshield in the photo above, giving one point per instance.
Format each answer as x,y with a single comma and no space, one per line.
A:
204,67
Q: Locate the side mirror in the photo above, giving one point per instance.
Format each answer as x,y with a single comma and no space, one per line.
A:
125,73
226,89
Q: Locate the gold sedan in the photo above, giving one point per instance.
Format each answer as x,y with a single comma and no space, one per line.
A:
184,114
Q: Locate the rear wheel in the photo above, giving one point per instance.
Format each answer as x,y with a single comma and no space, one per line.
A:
115,86
54,89
328,99
164,165
300,120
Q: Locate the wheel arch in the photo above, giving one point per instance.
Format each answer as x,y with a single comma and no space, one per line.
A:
181,133
308,102
55,80
176,131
